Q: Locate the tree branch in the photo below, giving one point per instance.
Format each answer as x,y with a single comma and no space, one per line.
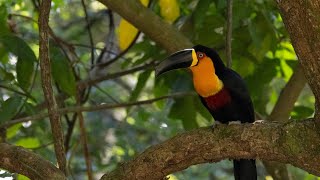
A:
19,160
302,22
289,95
89,30
296,143
46,84
149,23
83,137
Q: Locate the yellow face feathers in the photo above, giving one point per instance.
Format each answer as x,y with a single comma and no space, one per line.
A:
194,58
205,81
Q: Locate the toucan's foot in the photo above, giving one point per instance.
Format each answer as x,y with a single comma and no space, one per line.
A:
234,122
258,121
214,125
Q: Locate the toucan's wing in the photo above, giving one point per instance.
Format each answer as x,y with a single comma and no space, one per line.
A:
239,93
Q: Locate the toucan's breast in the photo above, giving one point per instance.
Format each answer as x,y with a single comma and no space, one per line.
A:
205,81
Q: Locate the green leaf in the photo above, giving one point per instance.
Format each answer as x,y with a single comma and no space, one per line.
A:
26,58
30,109
262,35
25,70
62,72
6,76
285,69
160,89
185,110
4,58
58,4
28,142
13,130
22,177
259,51
202,110
142,79
259,81
211,32
9,108
200,12
241,12
18,47
5,174
301,112
3,20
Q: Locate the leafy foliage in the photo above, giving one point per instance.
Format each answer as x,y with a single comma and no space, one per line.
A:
62,72
262,54
26,58
9,108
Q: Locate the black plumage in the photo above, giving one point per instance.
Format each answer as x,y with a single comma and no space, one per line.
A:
238,108
221,90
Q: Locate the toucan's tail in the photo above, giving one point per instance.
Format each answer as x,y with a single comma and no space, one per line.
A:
245,169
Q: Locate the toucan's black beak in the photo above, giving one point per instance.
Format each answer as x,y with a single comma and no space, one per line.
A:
181,59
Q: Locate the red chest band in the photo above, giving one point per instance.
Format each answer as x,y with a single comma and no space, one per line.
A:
218,100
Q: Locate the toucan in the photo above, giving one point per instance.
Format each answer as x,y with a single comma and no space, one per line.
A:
221,90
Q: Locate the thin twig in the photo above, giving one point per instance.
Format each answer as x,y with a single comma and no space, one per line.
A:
229,33
108,63
23,16
90,47
88,82
89,30
69,132
17,91
47,86
109,44
83,137
106,93
61,111
71,156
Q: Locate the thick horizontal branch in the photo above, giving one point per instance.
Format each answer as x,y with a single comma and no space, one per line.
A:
19,160
296,143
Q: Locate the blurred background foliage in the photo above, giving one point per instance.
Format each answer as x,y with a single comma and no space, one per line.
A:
96,42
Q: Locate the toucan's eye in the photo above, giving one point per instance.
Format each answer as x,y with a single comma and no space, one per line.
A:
200,55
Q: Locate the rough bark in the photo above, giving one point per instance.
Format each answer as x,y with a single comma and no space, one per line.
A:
19,160
45,65
301,19
296,143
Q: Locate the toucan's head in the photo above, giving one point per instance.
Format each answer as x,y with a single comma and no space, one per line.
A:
204,63
193,58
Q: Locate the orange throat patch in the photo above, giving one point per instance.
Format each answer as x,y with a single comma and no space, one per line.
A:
205,81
